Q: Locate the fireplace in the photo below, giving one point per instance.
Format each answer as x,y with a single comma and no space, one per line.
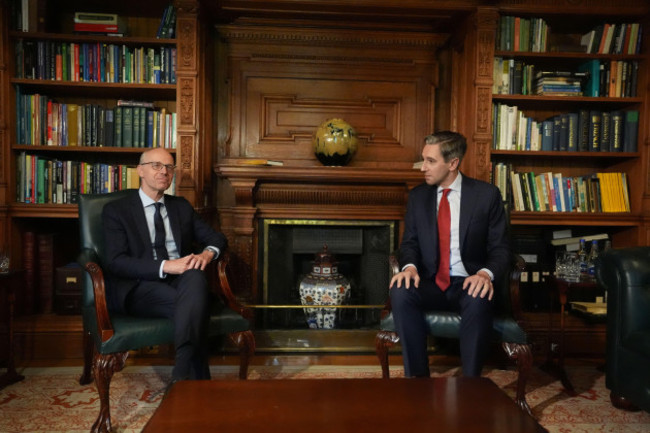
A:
288,246
280,216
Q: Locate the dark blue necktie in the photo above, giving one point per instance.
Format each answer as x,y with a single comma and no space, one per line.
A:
159,241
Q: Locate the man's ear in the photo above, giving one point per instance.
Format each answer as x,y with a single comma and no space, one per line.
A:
454,164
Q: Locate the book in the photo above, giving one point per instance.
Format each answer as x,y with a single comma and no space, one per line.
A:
583,130
616,131
576,239
95,18
631,131
547,135
572,132
605,134
45,248
595,124
591,85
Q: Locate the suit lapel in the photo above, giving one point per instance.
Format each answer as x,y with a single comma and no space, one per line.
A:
467,202
432,212
140,221
174,221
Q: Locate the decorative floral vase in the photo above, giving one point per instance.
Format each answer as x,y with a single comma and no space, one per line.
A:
323,286
335,142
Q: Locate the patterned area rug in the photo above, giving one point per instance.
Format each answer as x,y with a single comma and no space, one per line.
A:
51,399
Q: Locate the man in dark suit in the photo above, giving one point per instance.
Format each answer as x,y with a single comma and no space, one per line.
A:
460,279
157,247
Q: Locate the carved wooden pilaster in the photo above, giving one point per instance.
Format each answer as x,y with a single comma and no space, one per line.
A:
187,99
486,23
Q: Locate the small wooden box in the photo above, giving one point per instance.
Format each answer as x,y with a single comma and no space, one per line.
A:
67,289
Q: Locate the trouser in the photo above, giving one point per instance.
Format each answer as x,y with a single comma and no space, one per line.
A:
186,300
409,307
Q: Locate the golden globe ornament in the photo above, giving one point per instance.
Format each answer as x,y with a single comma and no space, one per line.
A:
335,142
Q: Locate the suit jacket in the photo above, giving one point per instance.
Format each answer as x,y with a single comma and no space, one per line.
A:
482,231
129,254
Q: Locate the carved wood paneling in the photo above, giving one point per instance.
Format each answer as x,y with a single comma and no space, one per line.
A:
286,81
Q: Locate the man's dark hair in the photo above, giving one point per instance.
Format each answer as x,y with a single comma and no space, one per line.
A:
452,144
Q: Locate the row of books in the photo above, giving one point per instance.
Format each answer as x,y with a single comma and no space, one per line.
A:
46,180
553,192
44,122
616,38
95,62
522,34
584,130
167,27
594,78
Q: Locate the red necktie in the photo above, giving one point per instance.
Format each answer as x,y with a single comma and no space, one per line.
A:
444,241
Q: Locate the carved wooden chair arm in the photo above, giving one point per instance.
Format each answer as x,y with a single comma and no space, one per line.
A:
225,291
393,264
104,325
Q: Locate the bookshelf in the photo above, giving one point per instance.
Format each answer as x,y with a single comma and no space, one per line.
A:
53,74
561,53
477,92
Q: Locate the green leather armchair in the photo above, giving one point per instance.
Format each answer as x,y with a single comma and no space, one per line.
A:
508,324
625,274
508,331
108,336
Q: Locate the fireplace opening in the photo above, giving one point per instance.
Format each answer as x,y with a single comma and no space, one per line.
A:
287,250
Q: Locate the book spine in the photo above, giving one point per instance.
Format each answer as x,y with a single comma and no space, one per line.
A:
616,131
631,131
45,245
29,263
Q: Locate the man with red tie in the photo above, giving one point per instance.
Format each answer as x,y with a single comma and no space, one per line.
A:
454,247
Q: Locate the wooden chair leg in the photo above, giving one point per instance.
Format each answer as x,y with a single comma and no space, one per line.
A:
89,350
245,341
104,366
523,356
384,341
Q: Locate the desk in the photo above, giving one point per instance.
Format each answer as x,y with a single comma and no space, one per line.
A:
562,288
451,405
7,281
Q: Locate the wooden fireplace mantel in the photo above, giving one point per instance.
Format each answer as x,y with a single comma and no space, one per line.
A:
315,174
304,192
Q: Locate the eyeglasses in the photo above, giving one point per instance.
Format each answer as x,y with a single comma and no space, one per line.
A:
159,166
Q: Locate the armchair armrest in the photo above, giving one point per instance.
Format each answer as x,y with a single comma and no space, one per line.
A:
104,325
393,264
225,291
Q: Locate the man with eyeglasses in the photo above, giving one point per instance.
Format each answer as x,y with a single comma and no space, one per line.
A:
154,267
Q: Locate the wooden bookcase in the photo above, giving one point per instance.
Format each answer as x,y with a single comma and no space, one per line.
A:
474,64
189,97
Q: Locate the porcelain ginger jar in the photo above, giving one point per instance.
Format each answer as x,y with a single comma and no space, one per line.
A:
323,286
335,142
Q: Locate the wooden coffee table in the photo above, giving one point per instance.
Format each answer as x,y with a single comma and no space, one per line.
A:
340,405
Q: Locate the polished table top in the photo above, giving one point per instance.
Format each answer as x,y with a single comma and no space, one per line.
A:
340,405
